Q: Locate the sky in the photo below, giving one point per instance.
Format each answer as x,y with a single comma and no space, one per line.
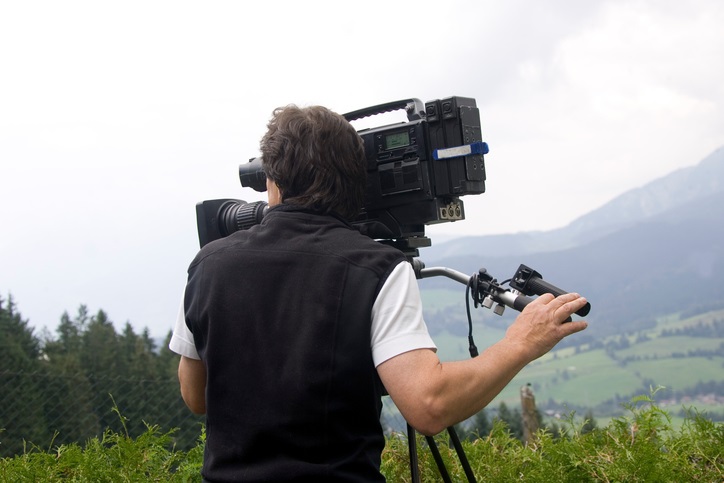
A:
116,118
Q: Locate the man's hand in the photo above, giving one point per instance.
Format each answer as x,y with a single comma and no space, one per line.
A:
542,324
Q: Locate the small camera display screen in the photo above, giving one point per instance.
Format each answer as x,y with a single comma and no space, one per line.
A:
397,140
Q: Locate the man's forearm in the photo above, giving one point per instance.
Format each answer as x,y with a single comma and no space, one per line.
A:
192,378
451,392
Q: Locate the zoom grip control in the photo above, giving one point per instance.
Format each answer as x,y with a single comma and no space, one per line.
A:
529,282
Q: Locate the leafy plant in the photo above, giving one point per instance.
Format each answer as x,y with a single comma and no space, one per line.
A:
640,446
114,457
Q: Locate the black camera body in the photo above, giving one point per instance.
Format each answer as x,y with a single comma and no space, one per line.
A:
416,173
417,170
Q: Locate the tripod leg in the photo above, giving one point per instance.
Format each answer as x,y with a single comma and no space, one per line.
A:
438,459
461,454
412,445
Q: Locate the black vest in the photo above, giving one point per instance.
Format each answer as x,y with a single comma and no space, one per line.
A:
281,316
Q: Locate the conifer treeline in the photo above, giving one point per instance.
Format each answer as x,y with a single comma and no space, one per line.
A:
72,385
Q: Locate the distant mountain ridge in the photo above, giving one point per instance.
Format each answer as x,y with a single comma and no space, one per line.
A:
676,189
652,251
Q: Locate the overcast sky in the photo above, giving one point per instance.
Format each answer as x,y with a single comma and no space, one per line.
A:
117,117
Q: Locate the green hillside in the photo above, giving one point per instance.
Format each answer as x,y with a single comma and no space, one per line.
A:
683,354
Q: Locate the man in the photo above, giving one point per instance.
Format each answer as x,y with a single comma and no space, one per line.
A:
291,328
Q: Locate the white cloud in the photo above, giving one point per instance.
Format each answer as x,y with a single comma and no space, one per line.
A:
115,119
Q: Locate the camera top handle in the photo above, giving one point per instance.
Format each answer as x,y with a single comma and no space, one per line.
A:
414,107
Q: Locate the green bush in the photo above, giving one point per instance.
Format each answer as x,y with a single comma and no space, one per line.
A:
639,447
116,457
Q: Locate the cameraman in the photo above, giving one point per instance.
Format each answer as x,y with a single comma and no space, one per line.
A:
289,329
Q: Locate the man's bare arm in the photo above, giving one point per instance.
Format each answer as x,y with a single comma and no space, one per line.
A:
192,377
433,395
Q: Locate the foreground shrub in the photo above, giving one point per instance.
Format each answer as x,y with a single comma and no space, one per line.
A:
113,457
640,447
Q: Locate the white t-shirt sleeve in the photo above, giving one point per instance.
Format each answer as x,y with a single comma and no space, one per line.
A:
397,322
182,340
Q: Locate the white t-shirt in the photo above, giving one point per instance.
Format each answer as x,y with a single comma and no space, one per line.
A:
397,323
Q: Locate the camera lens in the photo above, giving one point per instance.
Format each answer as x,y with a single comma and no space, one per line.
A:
239,215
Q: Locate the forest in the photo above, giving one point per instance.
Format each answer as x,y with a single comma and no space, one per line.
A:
83,379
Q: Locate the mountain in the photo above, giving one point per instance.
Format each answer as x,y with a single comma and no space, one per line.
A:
652,251
676,189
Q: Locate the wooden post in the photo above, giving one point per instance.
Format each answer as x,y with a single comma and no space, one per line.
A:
529,413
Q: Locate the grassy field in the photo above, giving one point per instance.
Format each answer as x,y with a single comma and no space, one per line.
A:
585,377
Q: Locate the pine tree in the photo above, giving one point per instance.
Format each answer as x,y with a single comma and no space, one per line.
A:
513,419
20,348
69,409
590,423
168,360
479,426
21,415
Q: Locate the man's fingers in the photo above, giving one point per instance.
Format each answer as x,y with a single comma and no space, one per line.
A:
577,303
573,327
544,299
563,305
567,304
569,300
569,308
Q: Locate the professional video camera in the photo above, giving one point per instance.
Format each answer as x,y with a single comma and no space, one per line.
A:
416,173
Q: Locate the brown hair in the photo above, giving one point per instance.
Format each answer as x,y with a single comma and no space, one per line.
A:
316,158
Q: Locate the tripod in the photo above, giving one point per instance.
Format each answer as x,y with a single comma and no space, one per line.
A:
414,466
486,291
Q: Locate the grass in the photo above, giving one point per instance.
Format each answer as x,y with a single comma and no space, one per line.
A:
641,446
668,346
115,457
